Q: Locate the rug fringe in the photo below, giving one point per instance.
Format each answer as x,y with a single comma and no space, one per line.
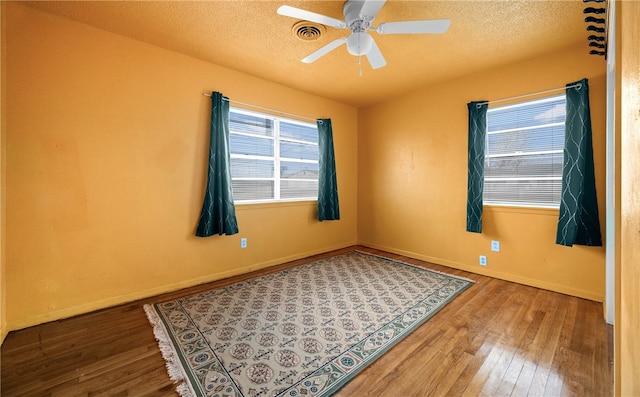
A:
170,356
419,267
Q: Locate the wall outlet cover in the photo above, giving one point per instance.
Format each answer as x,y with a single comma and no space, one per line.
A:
483,260
243,243
495,246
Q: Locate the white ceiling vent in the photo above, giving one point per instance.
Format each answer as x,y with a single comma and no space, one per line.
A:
308,31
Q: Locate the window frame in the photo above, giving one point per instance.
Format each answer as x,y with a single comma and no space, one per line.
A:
276,140
554,177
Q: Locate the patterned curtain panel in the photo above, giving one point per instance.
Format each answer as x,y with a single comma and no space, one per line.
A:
328,206
475,178
218,214
578,222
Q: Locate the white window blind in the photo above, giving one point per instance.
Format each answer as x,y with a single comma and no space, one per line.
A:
524,153
272,158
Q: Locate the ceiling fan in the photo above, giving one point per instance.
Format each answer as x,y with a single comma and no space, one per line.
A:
358,17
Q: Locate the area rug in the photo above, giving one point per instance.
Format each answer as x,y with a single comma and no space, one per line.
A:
304,331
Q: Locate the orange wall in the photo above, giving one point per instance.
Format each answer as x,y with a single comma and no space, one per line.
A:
412,155
627,321
106,151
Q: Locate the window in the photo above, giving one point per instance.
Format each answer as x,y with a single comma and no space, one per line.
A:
272,158
524,153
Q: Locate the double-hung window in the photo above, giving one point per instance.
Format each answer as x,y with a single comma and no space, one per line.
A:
272,158
524,153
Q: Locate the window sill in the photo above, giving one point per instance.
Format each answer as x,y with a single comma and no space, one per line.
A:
274,204
515,209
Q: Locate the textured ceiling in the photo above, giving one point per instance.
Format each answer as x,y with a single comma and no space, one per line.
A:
250,37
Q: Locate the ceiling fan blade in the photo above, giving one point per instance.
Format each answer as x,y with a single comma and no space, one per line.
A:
310,16
376,60
371,8
324,50
429,26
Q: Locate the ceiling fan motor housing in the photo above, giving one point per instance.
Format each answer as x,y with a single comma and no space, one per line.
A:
359,42
351,11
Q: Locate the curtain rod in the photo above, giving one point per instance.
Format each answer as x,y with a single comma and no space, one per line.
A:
269,110
578,85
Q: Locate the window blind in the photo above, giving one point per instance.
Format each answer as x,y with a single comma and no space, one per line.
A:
272,158
524,153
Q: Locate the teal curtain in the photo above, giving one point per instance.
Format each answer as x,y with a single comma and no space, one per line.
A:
578,222
475,176
328,206
218,214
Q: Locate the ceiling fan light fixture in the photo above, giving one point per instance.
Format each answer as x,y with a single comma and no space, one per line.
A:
359,43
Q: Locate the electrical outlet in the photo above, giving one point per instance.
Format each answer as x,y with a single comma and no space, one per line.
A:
483,260
495,245
243,242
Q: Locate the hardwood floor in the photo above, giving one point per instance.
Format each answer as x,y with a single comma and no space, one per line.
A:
496,339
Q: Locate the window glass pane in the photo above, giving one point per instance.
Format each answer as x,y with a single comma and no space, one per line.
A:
541,192
252,190
249,145
294,170
262,171
251,168
527,114
524,153
530,140
540,166
298,151
299,132
239,122
298,189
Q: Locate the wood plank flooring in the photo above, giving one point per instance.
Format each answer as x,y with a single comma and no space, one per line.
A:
496,339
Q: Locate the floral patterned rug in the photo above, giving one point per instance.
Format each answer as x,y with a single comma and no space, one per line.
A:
304,331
